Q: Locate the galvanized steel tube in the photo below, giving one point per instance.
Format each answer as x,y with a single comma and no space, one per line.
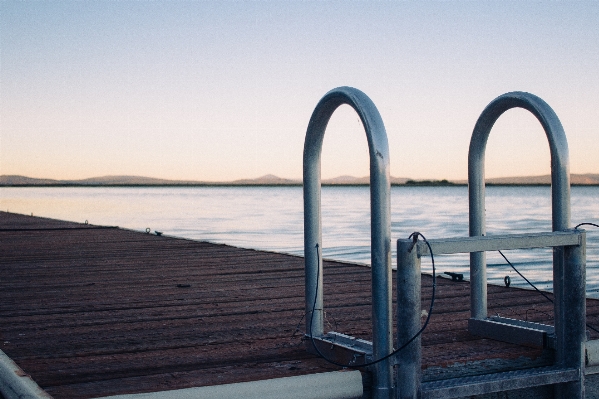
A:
380,224
570,325
560,182
408,321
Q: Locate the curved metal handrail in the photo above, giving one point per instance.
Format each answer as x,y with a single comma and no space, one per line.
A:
380,222
560,181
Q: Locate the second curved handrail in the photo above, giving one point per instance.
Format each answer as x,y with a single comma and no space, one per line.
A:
560,180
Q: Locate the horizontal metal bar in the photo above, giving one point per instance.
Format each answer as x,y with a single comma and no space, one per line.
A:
341,348
550,330
498,382
349,341
508,332
522,323
500,242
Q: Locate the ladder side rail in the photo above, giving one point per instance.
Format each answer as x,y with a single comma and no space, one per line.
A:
571,338
380,187
560,183
409,360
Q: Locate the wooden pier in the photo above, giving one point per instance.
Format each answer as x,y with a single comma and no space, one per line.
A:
91,311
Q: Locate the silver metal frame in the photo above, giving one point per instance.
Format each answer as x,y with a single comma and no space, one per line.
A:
568,283
380,226
560,184
567,374
568,336
409,360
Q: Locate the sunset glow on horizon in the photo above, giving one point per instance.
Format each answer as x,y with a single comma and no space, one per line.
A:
218,91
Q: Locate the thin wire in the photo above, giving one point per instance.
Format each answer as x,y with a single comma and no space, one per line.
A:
297,328
521,275
585,224
533,286
395,352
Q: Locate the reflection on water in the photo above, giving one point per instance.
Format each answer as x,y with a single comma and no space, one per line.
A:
271,218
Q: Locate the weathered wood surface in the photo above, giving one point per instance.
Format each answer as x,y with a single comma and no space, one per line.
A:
91,311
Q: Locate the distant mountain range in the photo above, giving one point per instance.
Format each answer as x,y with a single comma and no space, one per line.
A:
272,180
575,179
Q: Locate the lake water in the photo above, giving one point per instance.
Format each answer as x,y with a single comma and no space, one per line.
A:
271,218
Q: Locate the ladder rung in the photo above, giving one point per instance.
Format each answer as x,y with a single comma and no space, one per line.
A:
506,330
498,382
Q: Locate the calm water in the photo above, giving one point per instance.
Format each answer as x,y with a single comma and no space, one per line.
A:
271,218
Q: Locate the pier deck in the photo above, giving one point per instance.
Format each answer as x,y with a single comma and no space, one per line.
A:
91,311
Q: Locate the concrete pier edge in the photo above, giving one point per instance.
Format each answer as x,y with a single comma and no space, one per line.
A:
328,385
15,383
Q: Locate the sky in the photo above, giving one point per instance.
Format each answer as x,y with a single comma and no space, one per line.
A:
219,91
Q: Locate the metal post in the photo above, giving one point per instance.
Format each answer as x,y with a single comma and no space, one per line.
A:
382,319
408,321
570,320
560,183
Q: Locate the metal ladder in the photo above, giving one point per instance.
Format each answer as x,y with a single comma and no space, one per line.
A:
568,371
568,336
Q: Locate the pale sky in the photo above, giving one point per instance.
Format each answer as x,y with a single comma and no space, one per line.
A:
224,90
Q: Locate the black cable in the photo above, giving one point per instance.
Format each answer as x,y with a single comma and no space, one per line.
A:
521,275
395,352
533,286
585,224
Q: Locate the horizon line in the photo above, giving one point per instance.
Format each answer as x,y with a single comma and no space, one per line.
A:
273,180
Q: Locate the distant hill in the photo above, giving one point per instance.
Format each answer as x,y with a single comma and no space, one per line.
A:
353,181
347,180
588,178
267,180
576,179
130,180
272,180
16,180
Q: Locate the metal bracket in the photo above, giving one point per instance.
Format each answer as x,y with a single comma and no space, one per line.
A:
517,332
498,382
455,276
341,348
